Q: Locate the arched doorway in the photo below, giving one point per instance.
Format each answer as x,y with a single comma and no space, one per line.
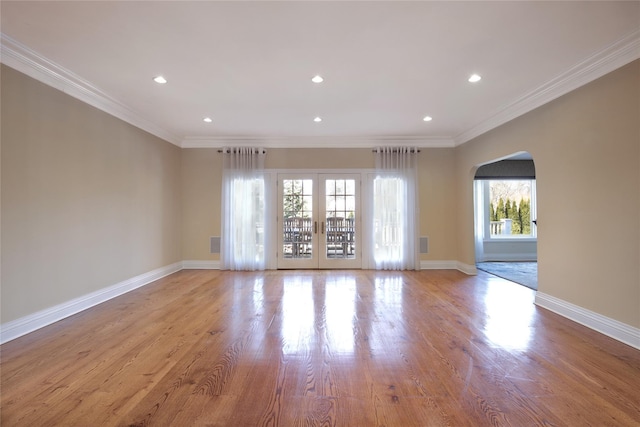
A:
505,206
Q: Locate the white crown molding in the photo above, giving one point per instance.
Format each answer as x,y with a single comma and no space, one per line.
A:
605,61
25,60
605,325
317,141
24,325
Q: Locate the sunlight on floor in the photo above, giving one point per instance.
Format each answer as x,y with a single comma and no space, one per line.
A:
508,324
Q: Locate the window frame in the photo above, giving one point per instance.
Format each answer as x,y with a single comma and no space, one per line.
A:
486,194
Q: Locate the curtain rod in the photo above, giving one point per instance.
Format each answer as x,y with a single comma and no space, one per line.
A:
234,150
397,150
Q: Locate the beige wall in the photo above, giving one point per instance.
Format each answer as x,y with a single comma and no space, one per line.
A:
202,182
586,148
87,200
201,195
320,158
438,203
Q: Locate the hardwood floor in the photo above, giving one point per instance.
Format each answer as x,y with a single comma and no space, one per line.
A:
320,348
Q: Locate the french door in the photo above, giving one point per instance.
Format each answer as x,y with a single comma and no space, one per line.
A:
319,221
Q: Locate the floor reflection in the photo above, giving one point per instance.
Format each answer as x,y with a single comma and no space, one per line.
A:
258,310
508,325
258,295
387,329
315,314
389,291
297,314
340,313
333,312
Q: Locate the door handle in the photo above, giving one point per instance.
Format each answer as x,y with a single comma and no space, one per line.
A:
322,227
315,227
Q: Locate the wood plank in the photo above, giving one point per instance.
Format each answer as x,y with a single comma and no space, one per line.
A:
320,348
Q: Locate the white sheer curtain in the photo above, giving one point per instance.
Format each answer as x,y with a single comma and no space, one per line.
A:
244,209
394,208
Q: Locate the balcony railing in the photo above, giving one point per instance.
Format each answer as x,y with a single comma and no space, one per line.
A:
500,227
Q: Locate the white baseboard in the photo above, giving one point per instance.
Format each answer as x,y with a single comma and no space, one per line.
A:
24,325
449,265
467,269
19,327
438,265
605,325
201,265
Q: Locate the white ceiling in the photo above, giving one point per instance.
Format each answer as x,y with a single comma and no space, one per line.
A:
248,65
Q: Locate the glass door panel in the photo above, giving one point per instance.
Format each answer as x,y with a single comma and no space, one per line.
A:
297,208
340,218
318,221
340,224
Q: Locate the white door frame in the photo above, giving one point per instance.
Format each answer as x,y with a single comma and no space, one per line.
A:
317,243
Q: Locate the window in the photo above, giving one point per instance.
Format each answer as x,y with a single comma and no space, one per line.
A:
244,223
394,209
510,208
388,219
244,209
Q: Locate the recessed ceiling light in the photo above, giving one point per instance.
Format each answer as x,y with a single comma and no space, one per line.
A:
317,120
207,119
317,79
474,78
160,79
427,118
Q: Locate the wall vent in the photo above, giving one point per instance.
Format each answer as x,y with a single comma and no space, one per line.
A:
424,245
214,244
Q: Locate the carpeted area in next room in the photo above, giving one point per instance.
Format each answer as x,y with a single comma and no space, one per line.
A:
523,273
